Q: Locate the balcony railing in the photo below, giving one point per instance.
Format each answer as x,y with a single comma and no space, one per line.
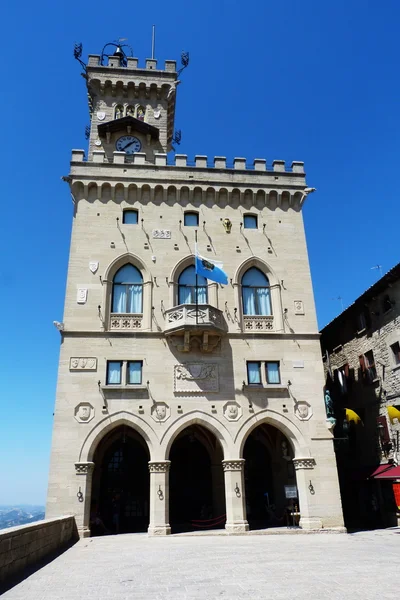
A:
258,323
125,322
189,316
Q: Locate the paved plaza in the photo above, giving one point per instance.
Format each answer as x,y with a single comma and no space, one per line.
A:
314,566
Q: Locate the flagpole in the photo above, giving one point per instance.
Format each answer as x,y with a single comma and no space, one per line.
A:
197,277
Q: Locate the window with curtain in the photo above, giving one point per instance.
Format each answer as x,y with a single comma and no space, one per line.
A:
250,222
272,372
134,372
118,112
114,369
128,291
256,293
130,217
254,372
191,219
187,287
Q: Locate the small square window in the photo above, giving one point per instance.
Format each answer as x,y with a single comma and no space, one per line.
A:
250,222
254,373
272,372
396,352
130,217
114,369
191,219
134,372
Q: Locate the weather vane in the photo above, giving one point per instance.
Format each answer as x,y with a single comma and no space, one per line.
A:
119,51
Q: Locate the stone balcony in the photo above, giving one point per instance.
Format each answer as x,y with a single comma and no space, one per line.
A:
194,327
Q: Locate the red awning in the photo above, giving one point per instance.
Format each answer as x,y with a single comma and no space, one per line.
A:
386,472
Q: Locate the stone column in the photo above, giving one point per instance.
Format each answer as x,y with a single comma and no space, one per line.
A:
235,496
159,497
304,470
84,472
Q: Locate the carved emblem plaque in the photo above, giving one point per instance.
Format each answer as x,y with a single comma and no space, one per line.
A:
81,295
84,412
303,411
298,307
162,234
232,411
160,412
82,364
196,377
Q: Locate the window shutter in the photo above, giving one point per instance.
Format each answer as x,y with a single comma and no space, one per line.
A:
346,371
382,424
362,363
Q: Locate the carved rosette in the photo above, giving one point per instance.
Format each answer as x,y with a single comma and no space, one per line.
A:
233,465
303,463
259,323
160,466
125,322
84,468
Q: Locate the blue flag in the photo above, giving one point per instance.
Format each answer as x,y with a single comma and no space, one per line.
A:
211,269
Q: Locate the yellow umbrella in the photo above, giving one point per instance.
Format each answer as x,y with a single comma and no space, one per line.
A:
394,413
351,415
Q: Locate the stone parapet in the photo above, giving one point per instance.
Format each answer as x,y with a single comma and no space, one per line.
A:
21,547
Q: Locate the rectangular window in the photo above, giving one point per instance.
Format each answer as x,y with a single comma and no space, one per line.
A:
114,369
361,322
254,373
250,222
343,375
130,217
134,372
191,219
396,352
370,365
272,372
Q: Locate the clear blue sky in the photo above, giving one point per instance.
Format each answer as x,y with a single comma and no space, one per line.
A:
294,80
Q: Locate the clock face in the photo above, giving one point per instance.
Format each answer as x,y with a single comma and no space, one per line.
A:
128,144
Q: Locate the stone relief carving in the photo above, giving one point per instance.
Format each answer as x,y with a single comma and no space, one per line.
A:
93,266
196,377
233,465
298,307
159,467
303,411
160,412
84,412
232,411
81,295
84,468
263,323
82,364
162,234
303,463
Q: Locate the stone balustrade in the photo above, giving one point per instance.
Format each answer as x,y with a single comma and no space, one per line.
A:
125,322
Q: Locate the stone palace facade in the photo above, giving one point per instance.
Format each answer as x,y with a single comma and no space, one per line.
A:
185,404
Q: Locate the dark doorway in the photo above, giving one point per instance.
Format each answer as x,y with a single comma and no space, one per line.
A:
269,479
197,492
121,484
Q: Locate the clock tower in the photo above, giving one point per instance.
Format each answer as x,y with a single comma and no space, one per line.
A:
185,399
132,109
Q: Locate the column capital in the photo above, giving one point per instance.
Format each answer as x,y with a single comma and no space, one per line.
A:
84,468
160,466
304,463
233,465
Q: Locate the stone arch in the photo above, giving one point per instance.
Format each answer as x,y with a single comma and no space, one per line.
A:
122,260
196,417
254,261
223,197
110,422
119,193
281,422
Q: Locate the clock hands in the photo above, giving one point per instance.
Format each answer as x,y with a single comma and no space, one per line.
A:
127,145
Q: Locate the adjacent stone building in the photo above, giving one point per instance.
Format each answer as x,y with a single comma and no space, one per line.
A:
182,402
361,351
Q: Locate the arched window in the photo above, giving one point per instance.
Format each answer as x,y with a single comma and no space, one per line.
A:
140,113
256,293
187,287
119,111
130,111
128,291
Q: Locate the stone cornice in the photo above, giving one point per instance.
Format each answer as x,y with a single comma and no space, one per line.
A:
156,334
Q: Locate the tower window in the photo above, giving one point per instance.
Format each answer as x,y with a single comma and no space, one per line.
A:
250,222
255,293
191,219
119,111
114,369
140,113
130,111
396,352
134,372
386,304
254,372
130,217
128,291
187,287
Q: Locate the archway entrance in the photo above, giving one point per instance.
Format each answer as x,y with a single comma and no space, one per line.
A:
196,484
121,483
270,480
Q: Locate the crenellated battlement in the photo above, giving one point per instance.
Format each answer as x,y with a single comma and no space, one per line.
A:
94,60
200,162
